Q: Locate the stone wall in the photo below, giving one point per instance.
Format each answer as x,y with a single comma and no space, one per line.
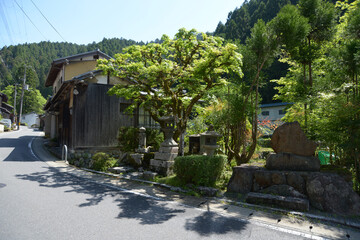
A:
325,191
83,158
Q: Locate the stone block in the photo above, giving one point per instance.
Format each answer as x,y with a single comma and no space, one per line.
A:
164,168
263,178
290,138
121,169
292,203
169,149
283,190
278,178
150,176
296,181
241,180
165,156
136,159
292,162
160,163
331,193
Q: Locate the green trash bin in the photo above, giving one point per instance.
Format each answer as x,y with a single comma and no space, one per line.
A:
324,157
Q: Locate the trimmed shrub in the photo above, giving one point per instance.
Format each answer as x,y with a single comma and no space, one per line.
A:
200,170
102,161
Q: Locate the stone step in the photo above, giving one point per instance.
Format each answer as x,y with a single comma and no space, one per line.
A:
292,203
123,169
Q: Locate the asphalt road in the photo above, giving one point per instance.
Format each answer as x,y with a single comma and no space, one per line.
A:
40,202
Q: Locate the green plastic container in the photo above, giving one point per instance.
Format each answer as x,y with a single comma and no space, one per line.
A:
324,157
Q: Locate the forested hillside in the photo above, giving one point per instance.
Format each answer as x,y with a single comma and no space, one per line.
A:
38,57
237,28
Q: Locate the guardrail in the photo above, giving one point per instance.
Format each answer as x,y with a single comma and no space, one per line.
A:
64,150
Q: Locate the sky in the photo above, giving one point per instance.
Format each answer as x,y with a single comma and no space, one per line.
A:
87,21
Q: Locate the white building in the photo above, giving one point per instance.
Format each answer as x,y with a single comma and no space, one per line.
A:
31,119
272,111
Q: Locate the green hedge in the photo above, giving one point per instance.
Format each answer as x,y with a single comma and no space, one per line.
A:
200,170
103,161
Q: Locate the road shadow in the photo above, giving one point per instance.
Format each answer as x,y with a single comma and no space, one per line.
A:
20,151
209,223
144,209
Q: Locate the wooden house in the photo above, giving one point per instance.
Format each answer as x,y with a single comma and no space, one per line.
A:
5,109
80,113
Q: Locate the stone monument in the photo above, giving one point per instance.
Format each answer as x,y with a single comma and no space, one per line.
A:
292,178
138,156
209,141
164,159
293,151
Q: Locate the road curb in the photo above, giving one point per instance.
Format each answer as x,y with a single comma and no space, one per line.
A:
340,221
343,221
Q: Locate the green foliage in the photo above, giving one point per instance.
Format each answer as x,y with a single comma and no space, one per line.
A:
102,161
323,83
128,138
199,169
264,142
174,74
290,27
33,100
237,118
39,56
241,20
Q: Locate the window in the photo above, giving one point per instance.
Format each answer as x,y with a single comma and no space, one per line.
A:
265,113
145,120
282,112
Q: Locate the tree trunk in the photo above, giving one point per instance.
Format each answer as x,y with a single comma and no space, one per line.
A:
182,143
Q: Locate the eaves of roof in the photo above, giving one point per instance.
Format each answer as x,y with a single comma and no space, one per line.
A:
275,104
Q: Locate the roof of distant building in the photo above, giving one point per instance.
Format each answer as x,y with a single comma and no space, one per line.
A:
274,104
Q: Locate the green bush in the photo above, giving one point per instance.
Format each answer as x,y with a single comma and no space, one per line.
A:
128,138
200,170
102,162
264,142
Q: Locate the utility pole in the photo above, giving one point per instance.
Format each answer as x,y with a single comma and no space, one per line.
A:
22,98
15,101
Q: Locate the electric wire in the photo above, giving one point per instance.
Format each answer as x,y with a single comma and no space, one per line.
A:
2,13
48,21
30,20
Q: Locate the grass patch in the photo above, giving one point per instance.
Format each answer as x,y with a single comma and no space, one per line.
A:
172,180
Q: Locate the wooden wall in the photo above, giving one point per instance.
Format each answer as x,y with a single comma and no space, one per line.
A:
96,117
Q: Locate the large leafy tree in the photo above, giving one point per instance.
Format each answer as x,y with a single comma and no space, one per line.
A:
318,17
170,77
237,119
33,100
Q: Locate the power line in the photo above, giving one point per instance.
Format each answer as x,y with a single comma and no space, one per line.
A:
6,23
48,20
30,19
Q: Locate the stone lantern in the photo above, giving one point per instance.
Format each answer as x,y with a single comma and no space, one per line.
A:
138,157
208,142
164,159
142,141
